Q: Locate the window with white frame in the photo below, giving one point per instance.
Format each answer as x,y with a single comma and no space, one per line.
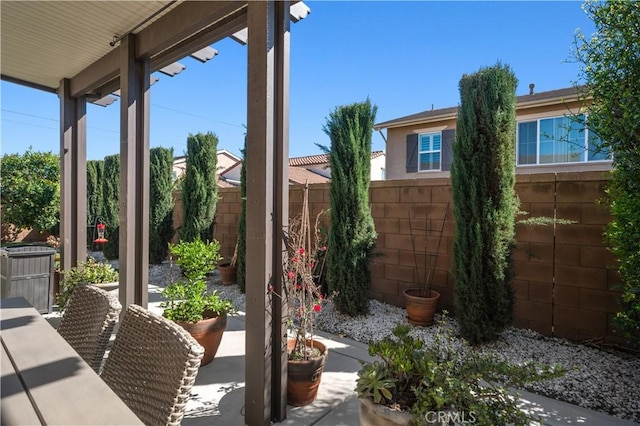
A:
558,140
429,145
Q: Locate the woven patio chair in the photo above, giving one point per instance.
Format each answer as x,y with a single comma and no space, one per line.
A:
88,322
152,366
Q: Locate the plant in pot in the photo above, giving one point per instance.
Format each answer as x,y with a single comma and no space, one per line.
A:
422,302
443,382
303,300
228,268
90,272
188,303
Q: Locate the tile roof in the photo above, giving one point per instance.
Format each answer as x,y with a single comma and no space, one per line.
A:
302,175
310,160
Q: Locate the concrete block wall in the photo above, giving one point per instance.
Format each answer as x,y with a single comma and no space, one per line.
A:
565,278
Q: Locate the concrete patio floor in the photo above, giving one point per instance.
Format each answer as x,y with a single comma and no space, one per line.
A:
218,395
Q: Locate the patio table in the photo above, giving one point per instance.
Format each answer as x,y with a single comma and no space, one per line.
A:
44,381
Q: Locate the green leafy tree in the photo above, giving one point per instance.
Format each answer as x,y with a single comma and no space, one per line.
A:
110,206
352,235
242,225
485,202
31,190
610,69
200,187
160,203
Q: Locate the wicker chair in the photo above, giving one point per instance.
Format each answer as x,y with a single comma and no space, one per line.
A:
88,322
152,366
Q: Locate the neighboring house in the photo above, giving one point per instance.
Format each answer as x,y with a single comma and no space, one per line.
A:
311,169
547,138
320,164
225,160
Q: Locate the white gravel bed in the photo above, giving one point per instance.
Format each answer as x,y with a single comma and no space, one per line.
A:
599,379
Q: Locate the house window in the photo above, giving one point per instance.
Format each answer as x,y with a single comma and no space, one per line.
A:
557,140
429,151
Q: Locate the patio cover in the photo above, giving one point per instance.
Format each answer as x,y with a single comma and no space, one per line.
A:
84,51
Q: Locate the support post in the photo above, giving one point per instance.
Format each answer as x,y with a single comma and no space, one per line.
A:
134,176
73,177
267,209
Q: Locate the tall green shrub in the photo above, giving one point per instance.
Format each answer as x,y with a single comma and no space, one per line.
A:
110,206
610,69
95,197
484,202
242,224
200,188
160,203
352,235
31,190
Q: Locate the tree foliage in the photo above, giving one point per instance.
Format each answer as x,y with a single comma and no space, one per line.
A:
610,69
200,190
95,197
352,235
110,206
31,190
485,203
160,203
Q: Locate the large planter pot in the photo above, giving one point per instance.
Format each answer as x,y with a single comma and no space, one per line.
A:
107,286
303,376
372,414
421,308
228,273
208,333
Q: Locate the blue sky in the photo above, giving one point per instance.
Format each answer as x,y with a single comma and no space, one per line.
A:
405,56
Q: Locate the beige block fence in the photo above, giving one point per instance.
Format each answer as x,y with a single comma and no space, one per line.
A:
565,278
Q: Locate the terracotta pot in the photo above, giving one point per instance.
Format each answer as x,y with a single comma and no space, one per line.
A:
420,309
303,376
228,273
208,333
372,414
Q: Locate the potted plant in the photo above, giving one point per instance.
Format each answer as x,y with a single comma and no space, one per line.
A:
90,272
303,300
228,268
412,382
188,303
422,302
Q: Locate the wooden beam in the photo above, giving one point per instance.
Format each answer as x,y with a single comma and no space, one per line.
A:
73,177
267,190
180,23
281,207
134,176
171,30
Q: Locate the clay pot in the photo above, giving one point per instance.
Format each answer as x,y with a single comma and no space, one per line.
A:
372,414
421,308
207,332
228,273
303,376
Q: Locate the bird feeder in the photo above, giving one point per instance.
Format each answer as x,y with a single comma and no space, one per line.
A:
100,227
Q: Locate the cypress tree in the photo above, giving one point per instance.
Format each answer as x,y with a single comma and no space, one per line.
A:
242,224
484,201
160,203
95,176
352,234
200,190
110,206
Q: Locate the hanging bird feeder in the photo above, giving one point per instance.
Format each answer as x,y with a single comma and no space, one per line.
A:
100,227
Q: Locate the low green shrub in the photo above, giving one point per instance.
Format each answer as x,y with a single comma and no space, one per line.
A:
420,379
90,272
188,300
196,258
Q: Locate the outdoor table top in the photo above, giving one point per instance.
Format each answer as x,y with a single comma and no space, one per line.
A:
44,381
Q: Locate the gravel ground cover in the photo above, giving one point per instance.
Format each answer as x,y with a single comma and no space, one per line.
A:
600,379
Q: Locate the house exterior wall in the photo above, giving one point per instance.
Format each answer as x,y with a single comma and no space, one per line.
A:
396,152
565,279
